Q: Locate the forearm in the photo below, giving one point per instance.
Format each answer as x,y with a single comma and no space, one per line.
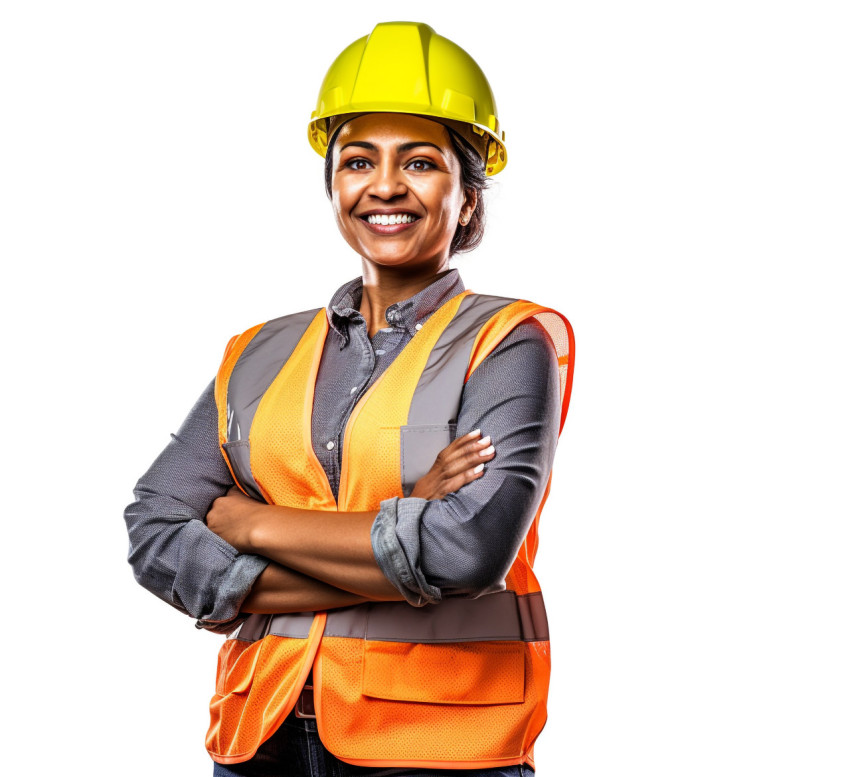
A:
172,552
279,589
332,547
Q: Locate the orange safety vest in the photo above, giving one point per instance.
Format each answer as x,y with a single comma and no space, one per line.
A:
461,683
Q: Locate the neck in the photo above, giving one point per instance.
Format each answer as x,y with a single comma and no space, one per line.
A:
382,286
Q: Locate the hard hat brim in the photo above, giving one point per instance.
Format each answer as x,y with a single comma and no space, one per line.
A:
484,140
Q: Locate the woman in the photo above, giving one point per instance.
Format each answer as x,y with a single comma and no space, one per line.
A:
371,474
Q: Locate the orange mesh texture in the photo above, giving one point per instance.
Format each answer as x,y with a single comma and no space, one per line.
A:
561,332
450,673
355,726
232,674
371,469
283,461
256,689
381,703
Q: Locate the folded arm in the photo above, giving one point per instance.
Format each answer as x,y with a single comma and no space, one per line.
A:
330,546
280,589
177,557
465,543
418,549
304,560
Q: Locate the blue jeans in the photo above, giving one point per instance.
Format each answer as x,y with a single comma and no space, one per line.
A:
295,750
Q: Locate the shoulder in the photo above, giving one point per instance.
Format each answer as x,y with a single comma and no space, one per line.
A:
527,344
511,321
281,322
289,324
521,373
538,326
524,343
507,313
529,329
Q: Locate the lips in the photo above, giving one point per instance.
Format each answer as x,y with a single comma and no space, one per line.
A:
381,222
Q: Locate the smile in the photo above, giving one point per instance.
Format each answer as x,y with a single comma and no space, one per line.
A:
393,218
383,224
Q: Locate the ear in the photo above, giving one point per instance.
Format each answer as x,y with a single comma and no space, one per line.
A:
470,200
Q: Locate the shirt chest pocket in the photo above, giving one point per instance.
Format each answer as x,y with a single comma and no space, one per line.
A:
420,444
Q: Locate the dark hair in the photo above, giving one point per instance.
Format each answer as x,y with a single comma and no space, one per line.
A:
472,176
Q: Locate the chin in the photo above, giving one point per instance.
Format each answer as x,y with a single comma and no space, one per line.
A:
389,258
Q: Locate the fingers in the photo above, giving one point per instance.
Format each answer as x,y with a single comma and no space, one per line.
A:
463,477
460,462
468,454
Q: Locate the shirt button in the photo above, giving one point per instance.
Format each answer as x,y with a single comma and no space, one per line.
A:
354,388
380,352
418,327
330,445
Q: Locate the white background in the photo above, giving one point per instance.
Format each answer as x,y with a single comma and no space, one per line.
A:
677,185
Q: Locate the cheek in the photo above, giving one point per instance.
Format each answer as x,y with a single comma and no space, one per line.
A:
336,202
345,193
441,200
342,203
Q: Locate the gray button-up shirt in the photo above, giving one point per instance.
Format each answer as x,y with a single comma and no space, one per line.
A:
461,545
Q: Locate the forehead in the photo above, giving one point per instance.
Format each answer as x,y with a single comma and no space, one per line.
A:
393,128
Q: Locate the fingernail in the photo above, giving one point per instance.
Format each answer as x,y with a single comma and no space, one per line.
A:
479,467
474,433
486,451
484,440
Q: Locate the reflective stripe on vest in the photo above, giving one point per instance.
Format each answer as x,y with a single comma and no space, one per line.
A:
252,374
502,615
395,685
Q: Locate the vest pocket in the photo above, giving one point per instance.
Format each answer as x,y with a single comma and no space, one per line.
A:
447,673
420,444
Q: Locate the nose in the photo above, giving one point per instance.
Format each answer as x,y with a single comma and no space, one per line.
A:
387,181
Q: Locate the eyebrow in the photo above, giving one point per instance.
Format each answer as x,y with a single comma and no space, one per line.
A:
400,148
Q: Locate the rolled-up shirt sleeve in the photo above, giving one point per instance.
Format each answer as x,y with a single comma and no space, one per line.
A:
464,544
173,553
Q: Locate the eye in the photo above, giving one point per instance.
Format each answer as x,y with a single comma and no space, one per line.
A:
428,164
353,163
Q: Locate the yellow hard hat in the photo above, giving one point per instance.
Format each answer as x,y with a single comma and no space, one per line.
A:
405,67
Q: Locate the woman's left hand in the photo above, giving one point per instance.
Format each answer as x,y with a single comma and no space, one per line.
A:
233,516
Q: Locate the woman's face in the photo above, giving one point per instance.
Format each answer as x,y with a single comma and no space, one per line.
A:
398,164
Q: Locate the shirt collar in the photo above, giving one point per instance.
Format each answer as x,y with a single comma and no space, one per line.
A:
406,314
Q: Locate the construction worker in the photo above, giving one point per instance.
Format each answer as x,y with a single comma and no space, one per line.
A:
354,499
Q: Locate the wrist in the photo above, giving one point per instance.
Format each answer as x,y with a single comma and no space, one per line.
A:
257,534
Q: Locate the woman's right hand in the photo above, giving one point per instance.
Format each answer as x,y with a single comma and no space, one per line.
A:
459,463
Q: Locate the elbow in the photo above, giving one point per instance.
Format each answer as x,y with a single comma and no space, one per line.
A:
153,553
479,579
471,553
140,557
147,575
153,577
467,567
181,561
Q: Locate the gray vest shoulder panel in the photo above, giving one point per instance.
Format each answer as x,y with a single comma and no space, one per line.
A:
432,419
255,370
437,395
258,366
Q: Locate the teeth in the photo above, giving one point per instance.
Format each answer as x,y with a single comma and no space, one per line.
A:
394,218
